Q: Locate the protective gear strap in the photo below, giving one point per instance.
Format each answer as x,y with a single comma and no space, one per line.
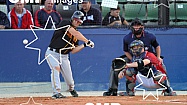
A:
140,64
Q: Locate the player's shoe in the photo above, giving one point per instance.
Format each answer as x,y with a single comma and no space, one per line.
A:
172,93
126,94
58,95
74,93
111,92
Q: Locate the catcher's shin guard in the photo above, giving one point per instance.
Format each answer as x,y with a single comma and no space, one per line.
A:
169,91
130,82
164,81
129,89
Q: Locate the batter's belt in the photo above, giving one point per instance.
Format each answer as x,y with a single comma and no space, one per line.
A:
55,50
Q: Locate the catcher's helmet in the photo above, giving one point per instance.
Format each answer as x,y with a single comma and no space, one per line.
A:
138,50
135,22
78,15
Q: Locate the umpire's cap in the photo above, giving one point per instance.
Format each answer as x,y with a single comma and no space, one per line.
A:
137,21
78,15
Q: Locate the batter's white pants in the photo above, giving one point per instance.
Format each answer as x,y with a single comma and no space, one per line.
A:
59,60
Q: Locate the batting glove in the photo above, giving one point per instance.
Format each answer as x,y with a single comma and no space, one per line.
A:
89,44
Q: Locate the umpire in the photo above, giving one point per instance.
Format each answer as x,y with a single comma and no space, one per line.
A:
137,33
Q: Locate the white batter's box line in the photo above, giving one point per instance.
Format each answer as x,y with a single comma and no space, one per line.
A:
150,93
31,98
157,5
27,46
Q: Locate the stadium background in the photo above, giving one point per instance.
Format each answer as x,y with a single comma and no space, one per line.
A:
147,10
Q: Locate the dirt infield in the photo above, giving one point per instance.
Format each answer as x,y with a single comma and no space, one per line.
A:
83,100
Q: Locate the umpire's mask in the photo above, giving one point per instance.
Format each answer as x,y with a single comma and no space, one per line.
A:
137,22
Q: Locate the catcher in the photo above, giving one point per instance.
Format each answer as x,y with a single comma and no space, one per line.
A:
150,43
141,64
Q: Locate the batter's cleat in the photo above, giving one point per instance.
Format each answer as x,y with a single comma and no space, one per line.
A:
74,93
58,95
126,94
111,92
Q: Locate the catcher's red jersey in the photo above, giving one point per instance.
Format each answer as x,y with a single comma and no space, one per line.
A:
154,60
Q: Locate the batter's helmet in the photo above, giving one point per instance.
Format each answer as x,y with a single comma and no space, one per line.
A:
78,15
136,21
137,51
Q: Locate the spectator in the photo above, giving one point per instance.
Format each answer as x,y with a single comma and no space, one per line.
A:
19,17
92,16
42,2
41,16
113,18
4,22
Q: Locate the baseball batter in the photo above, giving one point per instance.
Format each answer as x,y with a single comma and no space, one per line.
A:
60,48
139,69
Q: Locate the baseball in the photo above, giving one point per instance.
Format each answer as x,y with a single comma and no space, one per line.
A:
25,41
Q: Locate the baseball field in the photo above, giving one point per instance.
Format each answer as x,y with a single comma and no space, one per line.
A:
40,94
96,100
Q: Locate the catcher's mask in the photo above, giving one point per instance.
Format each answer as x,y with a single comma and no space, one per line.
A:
78,16
136,47
118,64
137,22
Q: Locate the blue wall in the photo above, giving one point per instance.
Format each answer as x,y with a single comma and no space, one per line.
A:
90,66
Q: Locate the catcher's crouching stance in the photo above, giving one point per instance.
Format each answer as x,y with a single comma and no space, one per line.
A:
142,64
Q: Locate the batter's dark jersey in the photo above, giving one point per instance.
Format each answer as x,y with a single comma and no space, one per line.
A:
57,42
147,38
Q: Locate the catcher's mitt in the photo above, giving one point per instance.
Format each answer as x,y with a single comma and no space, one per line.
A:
118,64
